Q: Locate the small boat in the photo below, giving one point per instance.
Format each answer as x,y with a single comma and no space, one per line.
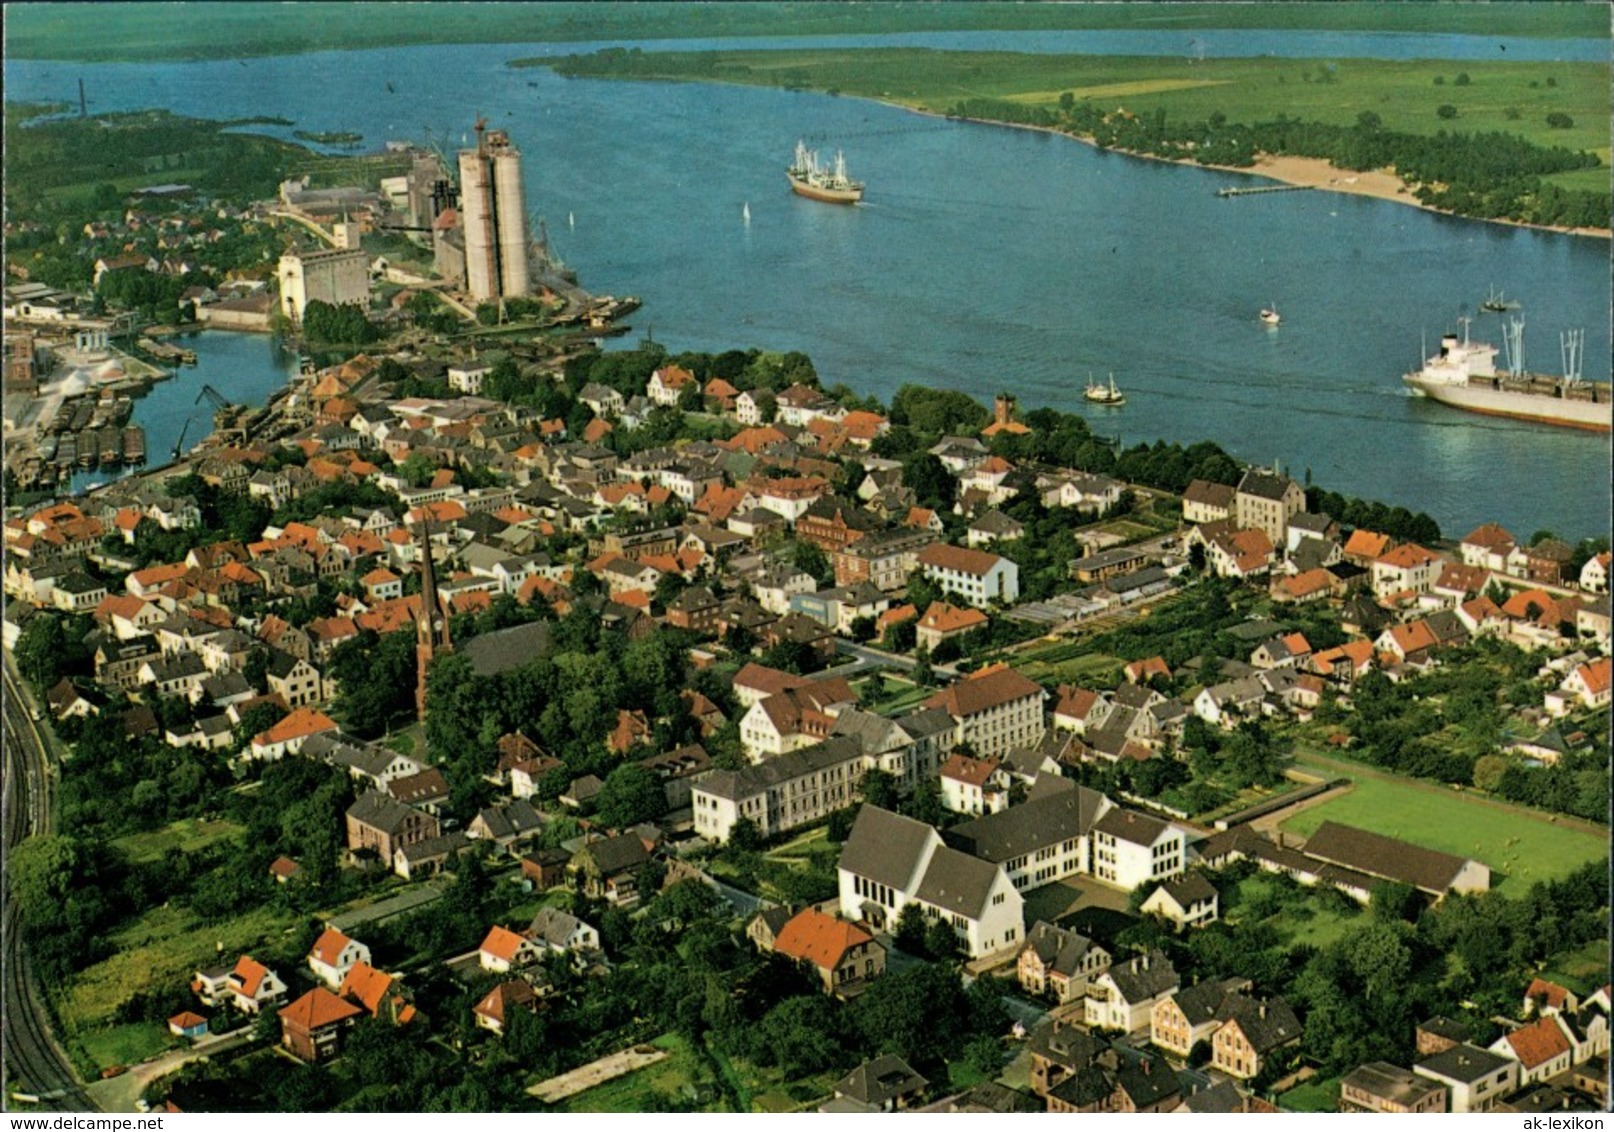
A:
1270,315
1101,394
745,212
1495,303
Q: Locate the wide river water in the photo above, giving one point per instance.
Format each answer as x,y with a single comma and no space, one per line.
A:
987,258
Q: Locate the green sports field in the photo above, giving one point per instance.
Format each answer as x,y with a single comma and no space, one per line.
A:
1520,845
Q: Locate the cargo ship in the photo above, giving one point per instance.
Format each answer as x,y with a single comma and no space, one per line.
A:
1464,375
810,179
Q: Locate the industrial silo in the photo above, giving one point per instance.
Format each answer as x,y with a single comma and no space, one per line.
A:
481,248
510,215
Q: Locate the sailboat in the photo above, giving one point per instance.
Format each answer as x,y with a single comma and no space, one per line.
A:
1495,303
1270,315
745,212
1101,394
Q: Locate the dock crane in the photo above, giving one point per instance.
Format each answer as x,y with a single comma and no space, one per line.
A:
179,445
227,417
215,397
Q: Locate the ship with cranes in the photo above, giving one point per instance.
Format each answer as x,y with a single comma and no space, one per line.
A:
829,183
1463,374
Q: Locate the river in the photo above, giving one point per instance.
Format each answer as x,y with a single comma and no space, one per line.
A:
244,368
987,258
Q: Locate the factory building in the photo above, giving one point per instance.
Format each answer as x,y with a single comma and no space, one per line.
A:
494,213
335,276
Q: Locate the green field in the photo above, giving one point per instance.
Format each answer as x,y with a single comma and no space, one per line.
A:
1320,1094
1517,844
1068,662
162,948
215,30
187,835
125,1045
1307,920
1582,970
1404,93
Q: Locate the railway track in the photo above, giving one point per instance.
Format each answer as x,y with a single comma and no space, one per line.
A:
36,1065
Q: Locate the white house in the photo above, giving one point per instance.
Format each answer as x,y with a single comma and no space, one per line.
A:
1124,997
504,949
333,955
973,786
1542,1049
1477,1079
1594,575
1407,567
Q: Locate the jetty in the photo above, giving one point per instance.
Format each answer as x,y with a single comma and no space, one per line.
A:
1231,192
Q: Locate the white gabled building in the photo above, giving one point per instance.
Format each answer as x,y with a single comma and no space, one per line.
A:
996,710
333,956
889,862
1130,848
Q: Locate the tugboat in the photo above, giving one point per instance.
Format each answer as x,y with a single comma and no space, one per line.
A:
1101,394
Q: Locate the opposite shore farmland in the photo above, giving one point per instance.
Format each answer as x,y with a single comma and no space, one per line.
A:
1554,114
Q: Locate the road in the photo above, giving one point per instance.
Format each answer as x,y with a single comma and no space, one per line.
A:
34,1059
870,659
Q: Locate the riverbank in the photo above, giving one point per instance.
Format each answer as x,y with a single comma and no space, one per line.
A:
1304,172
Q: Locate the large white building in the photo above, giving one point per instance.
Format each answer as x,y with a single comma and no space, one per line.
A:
494,209
334,275
890,861
1130,848
996,710
976,576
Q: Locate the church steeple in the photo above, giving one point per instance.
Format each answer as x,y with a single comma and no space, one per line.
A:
431,628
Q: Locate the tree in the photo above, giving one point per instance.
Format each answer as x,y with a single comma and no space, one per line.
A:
910,933
745,836
630,795
1446,110
879,789
42,651
941,941
1558,120
1488,772
1462,79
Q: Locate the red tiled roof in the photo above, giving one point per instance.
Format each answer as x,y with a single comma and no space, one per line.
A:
328,946
1552,994
502,943
947,557
981,691
1491,537
1366,544
298,725
819,939
971,772
249,973
366,986
1595,676
1409,556
1539,1042
319,1008
499,1001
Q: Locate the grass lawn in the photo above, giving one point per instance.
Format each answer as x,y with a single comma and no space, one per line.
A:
126,1044
1309,920
770,1091
1582,970
1519,845
1069,662
1320,1094
187,835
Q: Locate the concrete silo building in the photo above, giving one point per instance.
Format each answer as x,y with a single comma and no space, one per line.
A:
494,211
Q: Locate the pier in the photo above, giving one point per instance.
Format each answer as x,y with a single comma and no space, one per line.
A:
1263,189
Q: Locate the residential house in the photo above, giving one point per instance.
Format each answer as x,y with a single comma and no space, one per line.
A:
943,621
1407,568
289,735
1184,1018
1476,1079
973,786
1189,901
1124,997
312,1028
884,1084
1059,962
883,559
843,956
1380,1086
1205,502
1594,574
333,955
1542,1048
1254,1030
503,950
499,1005
378,824
794,718
562,932
889,861
1586,687
1487,547
607,867
1265,501
250,986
